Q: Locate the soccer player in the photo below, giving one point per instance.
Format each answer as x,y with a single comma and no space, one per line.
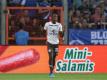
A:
22,36
53,29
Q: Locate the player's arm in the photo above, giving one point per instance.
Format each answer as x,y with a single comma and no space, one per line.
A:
45,29
61,33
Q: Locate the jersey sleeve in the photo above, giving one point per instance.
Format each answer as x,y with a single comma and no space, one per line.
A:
60,27
46,26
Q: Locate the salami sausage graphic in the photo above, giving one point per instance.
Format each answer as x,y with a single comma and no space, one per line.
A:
19,60
2,49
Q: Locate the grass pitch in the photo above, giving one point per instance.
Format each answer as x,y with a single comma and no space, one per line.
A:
57,77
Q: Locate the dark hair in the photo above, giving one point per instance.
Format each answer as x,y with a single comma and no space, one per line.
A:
21,26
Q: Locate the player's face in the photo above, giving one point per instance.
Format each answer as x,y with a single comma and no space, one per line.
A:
55,17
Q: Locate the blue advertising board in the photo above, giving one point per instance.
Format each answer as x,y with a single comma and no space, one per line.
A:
87,37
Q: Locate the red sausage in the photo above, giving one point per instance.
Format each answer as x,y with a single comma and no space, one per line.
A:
2,49
19,60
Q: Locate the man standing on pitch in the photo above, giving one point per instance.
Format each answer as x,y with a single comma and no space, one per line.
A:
53,29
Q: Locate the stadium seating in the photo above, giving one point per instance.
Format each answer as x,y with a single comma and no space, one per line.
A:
31,3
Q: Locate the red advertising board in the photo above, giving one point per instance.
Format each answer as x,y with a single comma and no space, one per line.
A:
70,59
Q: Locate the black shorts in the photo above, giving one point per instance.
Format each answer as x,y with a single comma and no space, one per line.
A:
52,47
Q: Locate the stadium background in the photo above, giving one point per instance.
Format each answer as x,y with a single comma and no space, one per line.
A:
80,15
73,14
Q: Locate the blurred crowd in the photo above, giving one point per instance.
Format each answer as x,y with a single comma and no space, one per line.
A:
35,3
82,14
88,14
29,19
33,20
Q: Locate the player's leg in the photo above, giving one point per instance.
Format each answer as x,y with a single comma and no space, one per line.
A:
54,57
50,57
51,62
52,51
55,51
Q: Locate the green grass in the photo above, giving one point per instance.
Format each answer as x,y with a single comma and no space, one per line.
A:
57,77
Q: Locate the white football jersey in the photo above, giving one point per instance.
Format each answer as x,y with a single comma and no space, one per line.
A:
53,32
